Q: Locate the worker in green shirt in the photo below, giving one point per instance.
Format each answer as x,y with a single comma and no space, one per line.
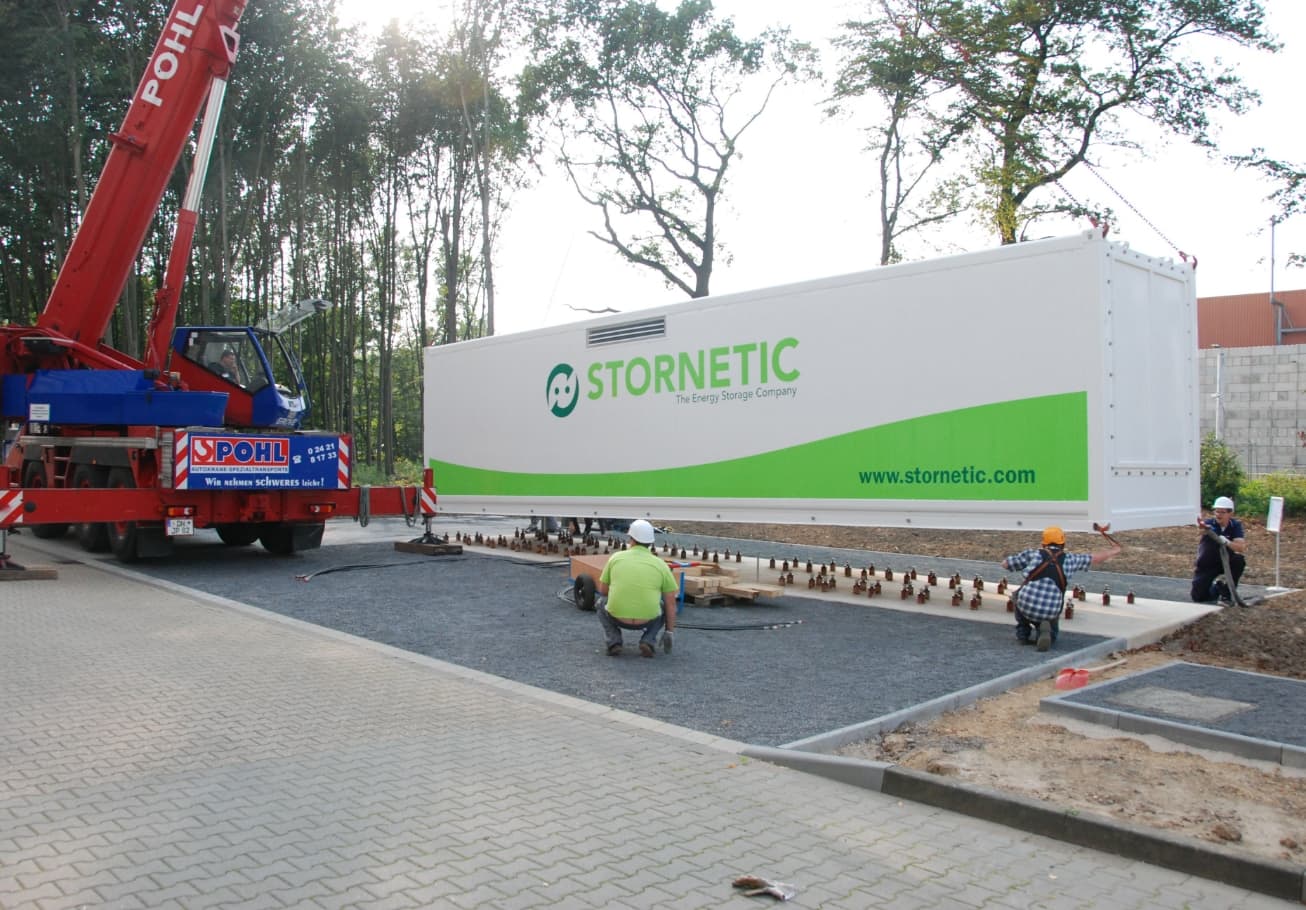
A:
641,594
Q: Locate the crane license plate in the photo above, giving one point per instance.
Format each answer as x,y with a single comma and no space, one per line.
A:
180,527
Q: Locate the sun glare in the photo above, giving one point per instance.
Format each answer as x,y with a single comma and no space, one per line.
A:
373,14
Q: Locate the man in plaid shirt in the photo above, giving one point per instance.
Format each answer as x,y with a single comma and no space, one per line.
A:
1046,570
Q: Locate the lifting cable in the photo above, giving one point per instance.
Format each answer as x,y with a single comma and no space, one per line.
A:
364,515
1129,205
410,518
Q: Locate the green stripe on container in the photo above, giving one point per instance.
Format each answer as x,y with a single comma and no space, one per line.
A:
1036,447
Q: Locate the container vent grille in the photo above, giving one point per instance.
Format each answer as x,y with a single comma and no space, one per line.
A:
627,331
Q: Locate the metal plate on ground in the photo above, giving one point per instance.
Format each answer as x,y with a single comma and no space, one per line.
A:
1181,705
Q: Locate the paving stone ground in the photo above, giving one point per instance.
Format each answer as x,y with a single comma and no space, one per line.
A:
163,748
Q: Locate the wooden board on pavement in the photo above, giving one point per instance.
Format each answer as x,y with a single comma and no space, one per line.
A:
14,572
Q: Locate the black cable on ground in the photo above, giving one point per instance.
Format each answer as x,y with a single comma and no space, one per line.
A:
350,568
417,562
745,627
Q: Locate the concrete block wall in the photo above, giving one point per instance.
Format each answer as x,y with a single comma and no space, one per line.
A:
1263,392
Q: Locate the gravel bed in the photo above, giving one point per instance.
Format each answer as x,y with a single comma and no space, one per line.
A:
1254,705
822,666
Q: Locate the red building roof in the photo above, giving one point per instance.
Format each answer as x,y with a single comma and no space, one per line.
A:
1248,320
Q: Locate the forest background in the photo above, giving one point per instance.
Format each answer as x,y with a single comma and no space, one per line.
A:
377,169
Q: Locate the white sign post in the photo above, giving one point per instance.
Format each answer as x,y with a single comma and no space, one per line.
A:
1273,524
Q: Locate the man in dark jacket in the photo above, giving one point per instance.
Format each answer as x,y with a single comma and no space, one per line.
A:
1208,569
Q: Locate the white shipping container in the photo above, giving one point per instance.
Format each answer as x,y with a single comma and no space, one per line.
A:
1050,382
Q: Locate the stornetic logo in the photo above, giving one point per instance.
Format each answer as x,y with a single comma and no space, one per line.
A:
562,391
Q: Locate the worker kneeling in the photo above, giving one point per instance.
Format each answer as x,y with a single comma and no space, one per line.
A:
1046,570
641,594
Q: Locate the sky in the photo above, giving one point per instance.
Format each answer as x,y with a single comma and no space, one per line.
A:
800,203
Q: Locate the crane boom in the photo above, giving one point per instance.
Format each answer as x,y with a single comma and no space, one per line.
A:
200,38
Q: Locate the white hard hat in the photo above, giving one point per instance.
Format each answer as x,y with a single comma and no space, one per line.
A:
641,531
1223,502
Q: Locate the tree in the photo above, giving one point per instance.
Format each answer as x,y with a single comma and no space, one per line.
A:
1289,193
495,129
888,58
1222,472
650,108
63,83
373,176
1044,81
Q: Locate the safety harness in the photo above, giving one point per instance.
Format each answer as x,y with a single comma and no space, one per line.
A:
1050,567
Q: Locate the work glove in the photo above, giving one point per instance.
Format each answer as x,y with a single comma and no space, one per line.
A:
1224,541
666,642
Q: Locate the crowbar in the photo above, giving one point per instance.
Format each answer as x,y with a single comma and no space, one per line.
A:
1102,529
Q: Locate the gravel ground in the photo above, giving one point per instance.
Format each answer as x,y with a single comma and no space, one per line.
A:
1231,701
827,666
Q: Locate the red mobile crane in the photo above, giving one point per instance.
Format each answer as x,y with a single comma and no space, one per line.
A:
206,430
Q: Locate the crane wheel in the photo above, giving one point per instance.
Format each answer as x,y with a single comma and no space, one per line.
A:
34,477
238,535
124,536
92,535
583,592
285,538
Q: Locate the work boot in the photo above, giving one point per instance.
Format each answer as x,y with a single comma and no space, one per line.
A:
1044,635
614,650
645,649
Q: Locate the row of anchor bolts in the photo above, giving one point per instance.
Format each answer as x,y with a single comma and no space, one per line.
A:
540,542
1078,593
717,556
823,577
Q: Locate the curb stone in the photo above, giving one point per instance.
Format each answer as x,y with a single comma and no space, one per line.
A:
1286,881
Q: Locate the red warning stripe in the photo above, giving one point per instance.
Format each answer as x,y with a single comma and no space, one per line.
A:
11,508
342,465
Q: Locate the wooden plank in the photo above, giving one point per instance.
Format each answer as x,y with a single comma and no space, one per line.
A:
13,572
751,590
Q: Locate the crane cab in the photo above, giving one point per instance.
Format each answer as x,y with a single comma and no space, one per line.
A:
262,378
